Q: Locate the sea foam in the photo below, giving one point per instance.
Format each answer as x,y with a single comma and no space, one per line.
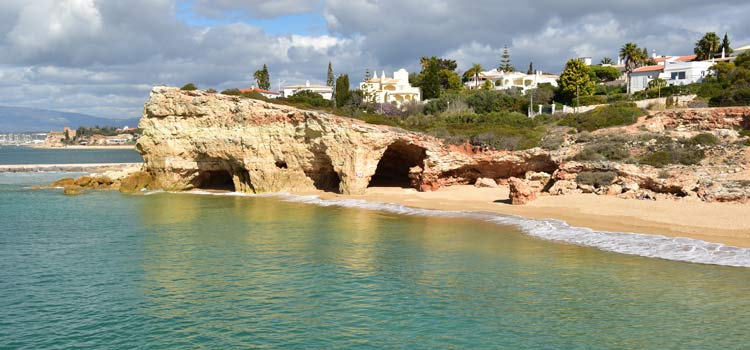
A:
647,245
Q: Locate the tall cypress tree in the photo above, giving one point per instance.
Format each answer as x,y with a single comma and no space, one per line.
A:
368,75
505,64
342,90
431,81
725,45
329,80
531,68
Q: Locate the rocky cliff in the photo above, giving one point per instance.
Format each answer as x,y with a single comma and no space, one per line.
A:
194,139
199,140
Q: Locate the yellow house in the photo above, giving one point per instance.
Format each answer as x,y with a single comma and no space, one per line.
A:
391,90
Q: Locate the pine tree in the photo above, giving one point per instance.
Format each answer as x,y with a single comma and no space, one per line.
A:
262,78
329,80
531,68
505,64
725,45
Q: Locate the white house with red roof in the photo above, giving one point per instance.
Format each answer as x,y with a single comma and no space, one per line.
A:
265,93
675,70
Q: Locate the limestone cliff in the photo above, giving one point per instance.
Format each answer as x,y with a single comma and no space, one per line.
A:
194,139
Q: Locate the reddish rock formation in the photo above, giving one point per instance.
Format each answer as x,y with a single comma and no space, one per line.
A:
520,192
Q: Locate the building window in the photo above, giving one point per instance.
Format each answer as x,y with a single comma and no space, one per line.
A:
678,75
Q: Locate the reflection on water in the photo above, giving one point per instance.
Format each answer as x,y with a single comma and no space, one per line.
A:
186,271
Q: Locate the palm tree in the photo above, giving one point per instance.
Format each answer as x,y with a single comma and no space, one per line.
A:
475,70
632,57
708,46
606,60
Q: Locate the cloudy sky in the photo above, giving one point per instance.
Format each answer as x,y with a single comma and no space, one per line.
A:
102,56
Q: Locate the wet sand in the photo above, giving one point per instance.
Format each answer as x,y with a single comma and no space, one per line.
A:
713,222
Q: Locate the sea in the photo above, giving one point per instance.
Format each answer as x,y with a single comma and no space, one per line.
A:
162,270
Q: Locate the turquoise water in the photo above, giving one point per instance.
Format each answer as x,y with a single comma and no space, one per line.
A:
26,155
175,271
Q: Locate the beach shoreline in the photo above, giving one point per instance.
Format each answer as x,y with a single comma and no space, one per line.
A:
724,223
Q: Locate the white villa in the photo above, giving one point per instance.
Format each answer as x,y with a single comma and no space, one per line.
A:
508,80
324,90
675,70
391,90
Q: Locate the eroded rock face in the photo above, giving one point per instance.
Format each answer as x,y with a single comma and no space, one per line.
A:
194,139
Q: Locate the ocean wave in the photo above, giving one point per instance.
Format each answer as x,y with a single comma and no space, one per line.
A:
646,245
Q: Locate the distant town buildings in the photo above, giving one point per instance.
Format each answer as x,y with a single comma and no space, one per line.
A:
502,80
396,90
13,139
324,90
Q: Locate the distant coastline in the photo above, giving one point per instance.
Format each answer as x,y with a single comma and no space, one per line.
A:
78,147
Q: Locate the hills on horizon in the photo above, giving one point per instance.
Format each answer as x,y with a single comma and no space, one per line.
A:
23,119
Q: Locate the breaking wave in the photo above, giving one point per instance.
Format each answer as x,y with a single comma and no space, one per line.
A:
647,245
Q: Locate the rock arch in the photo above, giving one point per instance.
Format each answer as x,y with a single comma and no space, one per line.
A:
401,165
322,173
221,175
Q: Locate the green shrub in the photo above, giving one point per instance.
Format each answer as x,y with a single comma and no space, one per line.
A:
307,98
552,142
704,139
189,87
488,101
592,100
603,151
596,178
657,159
673,155
603,117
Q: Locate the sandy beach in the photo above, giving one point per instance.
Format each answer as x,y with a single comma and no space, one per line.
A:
713,222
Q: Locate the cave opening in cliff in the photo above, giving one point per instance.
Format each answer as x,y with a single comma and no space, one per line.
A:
394,167
324,177
215,180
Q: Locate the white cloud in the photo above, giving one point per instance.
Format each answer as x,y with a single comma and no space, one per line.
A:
101,56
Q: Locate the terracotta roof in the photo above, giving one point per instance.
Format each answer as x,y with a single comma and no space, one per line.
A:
260,90
687,58
662,58
648,69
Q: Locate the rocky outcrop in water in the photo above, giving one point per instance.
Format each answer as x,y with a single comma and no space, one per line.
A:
194,139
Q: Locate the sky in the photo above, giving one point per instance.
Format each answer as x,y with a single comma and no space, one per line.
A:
102,57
